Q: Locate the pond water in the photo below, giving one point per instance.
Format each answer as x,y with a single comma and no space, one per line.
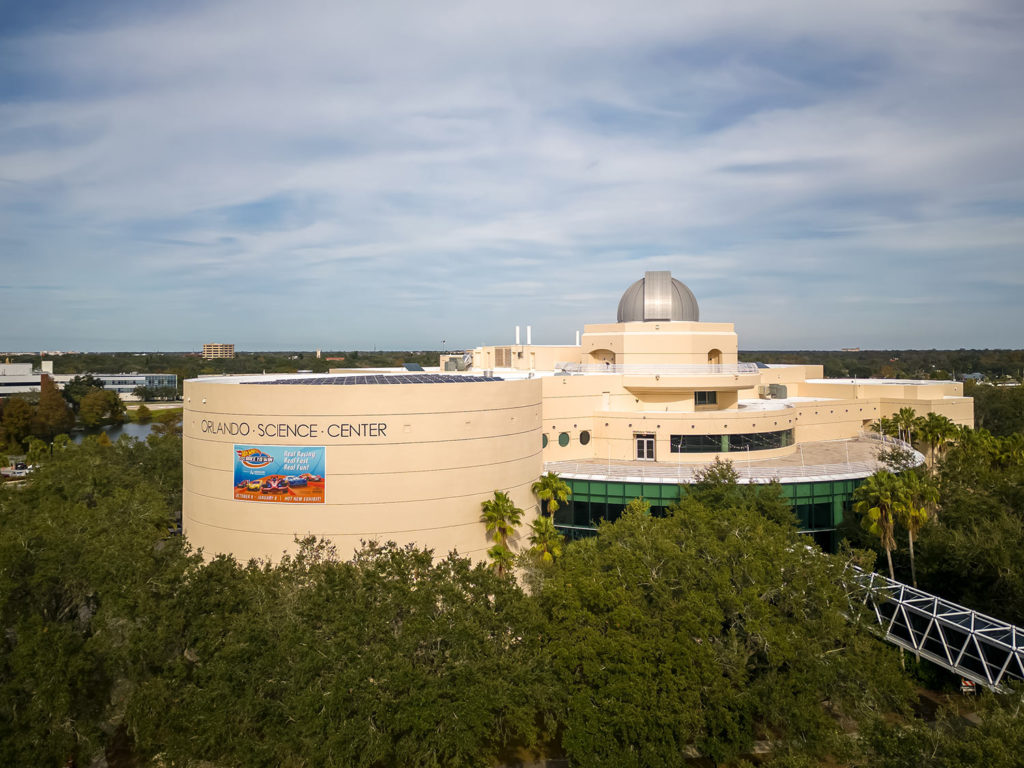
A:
114,431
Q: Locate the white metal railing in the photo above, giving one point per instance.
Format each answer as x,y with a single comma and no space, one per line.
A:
658,369
867,434
894,442
685,473
975,646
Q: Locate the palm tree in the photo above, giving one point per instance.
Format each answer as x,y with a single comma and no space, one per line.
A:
935,431
550,488
502,559
885,426
546,540
1008,450
880,502
920,497
500,517
906,422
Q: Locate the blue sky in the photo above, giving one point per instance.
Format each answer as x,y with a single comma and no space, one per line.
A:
356,175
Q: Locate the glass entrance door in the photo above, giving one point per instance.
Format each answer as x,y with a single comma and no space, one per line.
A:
645,447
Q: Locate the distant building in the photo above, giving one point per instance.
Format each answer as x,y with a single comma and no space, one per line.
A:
20,378
218,351
125,384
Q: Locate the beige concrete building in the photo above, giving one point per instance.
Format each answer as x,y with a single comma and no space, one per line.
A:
358,457
677,382
218,351
635,408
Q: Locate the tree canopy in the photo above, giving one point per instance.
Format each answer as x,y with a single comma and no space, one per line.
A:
52,415
708,629
704,632
78,387
973,555
101,406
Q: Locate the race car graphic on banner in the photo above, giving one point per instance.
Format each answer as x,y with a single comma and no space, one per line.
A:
280,473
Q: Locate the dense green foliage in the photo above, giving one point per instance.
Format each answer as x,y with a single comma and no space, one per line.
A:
708,629
84,574
994,741
902,363
79,387
1000,410
388,660
101,406
16,417
109,625
973,553
698,633
53,416
49,415
967,515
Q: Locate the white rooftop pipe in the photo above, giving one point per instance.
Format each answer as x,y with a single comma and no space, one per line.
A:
529,335
517,335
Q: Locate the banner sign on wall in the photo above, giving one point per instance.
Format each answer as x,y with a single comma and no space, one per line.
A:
280,473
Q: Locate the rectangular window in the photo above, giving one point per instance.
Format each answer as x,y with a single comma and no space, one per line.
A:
645,447
750,441
705,398
695,443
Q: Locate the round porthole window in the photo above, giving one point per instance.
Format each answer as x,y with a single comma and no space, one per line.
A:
563,439
543,441
584,437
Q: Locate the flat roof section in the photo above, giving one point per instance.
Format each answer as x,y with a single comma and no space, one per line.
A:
781,403
378,378
879,382
814,461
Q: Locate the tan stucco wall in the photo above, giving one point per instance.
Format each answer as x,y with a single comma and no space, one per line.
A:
612,407
958,409
446,448
669,343
522,357
942,397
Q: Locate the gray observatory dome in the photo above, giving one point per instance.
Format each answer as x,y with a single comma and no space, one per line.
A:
657,296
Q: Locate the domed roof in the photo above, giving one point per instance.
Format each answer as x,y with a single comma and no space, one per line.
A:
658,296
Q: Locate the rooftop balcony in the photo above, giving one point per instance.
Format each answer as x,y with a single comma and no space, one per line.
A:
660,377
815,461
659,369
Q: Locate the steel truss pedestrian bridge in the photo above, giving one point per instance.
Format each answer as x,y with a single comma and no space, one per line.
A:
971,644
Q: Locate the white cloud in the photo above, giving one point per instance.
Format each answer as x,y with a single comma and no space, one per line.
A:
446,167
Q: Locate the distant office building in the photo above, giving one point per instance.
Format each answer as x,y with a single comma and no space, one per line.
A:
125,384
218,351
21,378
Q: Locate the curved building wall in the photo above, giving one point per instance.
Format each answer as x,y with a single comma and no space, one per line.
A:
410,463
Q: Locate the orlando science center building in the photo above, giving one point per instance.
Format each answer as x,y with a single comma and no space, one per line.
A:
634,409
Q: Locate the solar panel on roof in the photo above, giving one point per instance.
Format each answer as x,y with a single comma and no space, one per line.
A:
379,378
